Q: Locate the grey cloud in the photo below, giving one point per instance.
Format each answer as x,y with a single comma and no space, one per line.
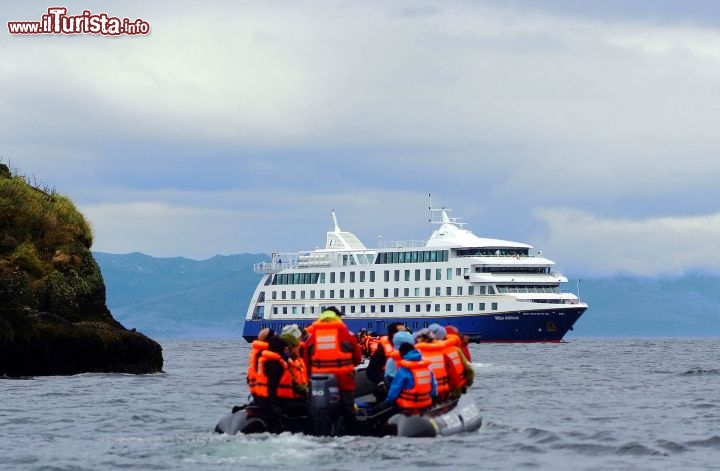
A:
274,113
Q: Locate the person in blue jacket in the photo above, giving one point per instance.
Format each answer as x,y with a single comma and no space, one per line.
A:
391,365
404,381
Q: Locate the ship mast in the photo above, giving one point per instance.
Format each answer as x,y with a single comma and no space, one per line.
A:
334,218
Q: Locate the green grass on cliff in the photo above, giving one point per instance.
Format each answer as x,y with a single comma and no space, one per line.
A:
40,230
53,316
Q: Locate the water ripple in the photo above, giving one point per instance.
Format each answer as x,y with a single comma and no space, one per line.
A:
701,372
580,405
710,442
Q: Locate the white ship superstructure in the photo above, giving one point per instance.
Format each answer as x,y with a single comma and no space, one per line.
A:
490,289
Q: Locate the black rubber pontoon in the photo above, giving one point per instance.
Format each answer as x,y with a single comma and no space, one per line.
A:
322,417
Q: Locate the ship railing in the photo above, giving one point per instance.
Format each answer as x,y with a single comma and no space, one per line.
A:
548,300
503,256
272,267
313,259
400,244
313,263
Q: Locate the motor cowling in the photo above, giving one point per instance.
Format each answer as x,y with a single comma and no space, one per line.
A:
325,405
324,392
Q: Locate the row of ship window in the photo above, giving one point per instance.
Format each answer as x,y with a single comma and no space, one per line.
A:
499,252
391,275
352,277
413,256
379,324
438,291
416,292
382,308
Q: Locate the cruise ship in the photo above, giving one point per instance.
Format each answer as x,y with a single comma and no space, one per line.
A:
491,290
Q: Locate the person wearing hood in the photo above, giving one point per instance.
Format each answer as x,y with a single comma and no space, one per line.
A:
333,349
413,387
300,334
455,351
433,348
462,340
391,364
295,361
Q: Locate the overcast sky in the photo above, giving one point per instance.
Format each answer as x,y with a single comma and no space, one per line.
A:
590,130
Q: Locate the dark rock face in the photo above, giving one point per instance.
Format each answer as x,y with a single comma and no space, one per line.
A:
42,344
53,317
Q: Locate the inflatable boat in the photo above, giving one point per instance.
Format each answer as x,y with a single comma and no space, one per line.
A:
321,416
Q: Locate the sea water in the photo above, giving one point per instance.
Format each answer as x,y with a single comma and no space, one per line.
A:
579,405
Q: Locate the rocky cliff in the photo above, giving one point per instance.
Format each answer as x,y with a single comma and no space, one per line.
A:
53,316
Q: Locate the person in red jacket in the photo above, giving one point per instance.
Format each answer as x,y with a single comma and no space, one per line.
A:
333,349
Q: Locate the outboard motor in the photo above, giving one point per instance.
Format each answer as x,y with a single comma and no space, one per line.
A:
325,405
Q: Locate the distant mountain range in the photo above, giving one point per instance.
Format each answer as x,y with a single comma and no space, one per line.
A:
184,298
179,297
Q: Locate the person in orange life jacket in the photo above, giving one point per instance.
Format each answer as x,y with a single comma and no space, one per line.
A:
373,343
296,364
333,349
256,349
293,330
454,349
422,335
296,332
399,338
376,367
273,387
336,351
464,340
432,349
362,339
414,386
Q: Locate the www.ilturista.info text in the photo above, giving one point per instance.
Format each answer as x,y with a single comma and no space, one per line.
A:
57,21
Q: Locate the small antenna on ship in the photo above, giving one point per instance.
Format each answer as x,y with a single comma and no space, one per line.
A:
430,212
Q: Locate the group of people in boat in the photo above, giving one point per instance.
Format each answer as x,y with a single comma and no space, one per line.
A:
441,350
410,371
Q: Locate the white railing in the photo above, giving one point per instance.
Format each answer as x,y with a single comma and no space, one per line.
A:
272,267
400,244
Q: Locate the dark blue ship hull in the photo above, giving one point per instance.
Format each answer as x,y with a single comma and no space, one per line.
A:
545,325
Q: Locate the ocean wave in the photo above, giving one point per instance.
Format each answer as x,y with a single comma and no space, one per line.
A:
541,411
542,436
710,442
671,446
701,371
